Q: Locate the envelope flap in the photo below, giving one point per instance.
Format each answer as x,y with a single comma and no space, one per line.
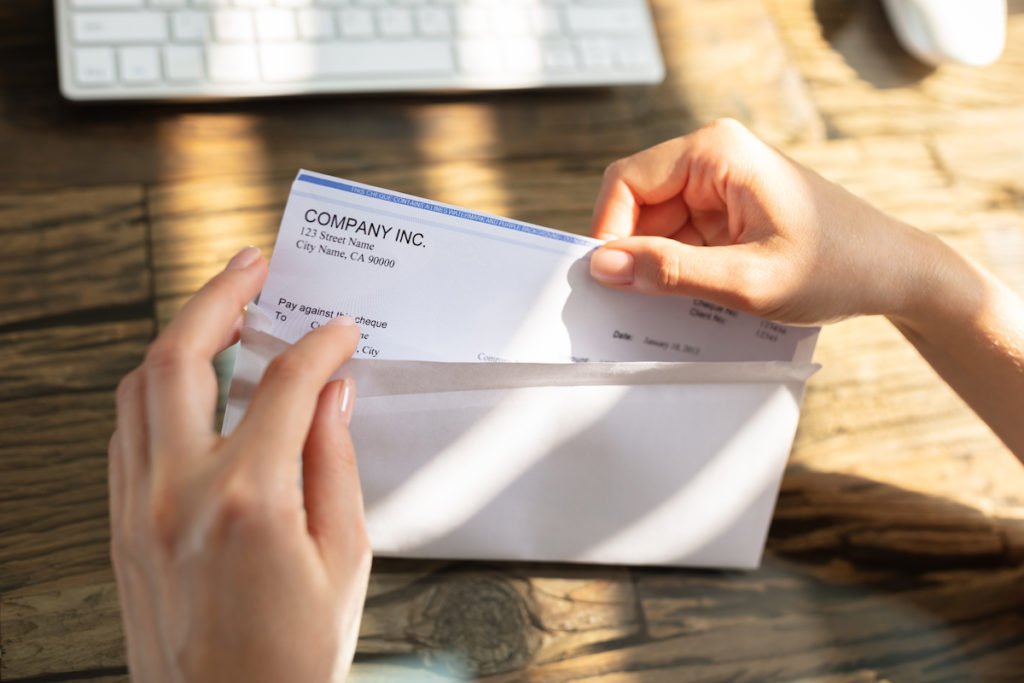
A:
393,377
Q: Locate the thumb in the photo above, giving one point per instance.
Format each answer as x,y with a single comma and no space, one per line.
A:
330,480
659,265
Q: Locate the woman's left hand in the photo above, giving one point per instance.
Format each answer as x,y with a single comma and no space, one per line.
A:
227,568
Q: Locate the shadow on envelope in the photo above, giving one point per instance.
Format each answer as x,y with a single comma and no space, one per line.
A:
677,474
617,463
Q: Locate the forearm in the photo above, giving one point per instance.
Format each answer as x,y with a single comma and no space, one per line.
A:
970,328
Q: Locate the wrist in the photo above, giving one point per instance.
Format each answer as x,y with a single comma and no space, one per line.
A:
937,285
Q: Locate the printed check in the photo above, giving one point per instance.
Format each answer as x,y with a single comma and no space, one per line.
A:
435,282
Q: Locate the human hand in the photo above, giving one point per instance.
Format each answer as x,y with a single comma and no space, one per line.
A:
227,570
720,215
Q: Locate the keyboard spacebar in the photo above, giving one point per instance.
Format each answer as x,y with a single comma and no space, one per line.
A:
305,61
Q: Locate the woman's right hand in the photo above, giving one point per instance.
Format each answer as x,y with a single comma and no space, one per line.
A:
720,215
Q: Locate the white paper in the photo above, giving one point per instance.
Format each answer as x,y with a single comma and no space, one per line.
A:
430,281
631,458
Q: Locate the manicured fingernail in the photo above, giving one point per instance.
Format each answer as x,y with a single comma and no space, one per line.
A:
347,400
243,259
612,266
342,321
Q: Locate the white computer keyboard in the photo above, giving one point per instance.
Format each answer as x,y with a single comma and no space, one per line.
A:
181,49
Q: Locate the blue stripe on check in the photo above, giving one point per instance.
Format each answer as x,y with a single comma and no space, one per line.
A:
447,210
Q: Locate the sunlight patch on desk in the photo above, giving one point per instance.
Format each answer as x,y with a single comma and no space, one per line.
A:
480,186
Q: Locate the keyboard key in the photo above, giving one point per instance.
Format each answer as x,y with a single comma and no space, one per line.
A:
94,66
479,57
283,62
183,64
596,54
139,64
508,21
632,55
233,63
472,21
545,21
559,57
233,26
356,23
520,57
190,26
119,27
433,21
104,4
316,24
276,24
395,22
604,20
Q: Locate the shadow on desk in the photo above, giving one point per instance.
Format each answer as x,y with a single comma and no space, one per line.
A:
862,582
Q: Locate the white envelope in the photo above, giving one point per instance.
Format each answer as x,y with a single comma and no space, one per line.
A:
641,463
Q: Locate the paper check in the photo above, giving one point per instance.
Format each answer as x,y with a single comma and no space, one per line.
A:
431,281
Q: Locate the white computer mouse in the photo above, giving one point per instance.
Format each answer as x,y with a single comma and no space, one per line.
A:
971,32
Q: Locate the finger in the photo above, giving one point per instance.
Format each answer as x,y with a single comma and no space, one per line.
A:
697,167
115,483
649,177
616,209
333,499
132,453
181,386
275,426
664,219
656,265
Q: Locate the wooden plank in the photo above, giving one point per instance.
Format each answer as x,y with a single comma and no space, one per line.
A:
456,619
468,619
725,58
62,629
72,249
778,625
864,83
56,418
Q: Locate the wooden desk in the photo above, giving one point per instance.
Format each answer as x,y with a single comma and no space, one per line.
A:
896,550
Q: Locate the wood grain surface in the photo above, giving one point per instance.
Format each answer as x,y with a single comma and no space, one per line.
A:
897,548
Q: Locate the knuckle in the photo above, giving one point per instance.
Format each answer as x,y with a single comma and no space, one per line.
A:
287,368
614,170
127,386
240,505
164,356
727,126
165,523
668,272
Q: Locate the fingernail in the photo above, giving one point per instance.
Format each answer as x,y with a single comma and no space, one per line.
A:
607,236
347,400
243,259
612,266
342,321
